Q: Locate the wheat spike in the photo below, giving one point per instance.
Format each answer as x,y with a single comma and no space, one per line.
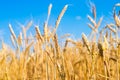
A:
65,46
94,11
66,35
45,31
20,39
112,29
118,4
38,33
95,30
99,22
46,23
56,45
94,23
59,19
28,25
85,41
116,18
105,44
49,11
12,32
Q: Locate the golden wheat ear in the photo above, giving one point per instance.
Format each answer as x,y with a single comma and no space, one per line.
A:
86,42
59,19
116,18
46,23
38,33
12,32
13,36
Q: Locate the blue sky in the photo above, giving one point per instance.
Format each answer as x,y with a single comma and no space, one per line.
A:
74,21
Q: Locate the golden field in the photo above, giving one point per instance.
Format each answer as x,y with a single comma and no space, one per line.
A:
40,56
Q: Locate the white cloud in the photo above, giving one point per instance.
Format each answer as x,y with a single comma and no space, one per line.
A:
78,17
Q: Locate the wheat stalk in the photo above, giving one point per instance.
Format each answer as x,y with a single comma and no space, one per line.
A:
13,41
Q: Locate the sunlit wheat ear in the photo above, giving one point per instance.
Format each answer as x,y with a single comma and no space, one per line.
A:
49,11
56,44
112,25
72,41
59,19
28,25
66,43
20,39
106,34
45,31
24,32
65,46
105,44
111,38
92,27
85,41
65,36
46,23
30,67
103,29
112,29
100,36
38,33
94,11
13,34
92,21
100,49
99,22
26,52
116,18
118,4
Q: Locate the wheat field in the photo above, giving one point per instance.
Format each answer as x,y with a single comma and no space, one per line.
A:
40,56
